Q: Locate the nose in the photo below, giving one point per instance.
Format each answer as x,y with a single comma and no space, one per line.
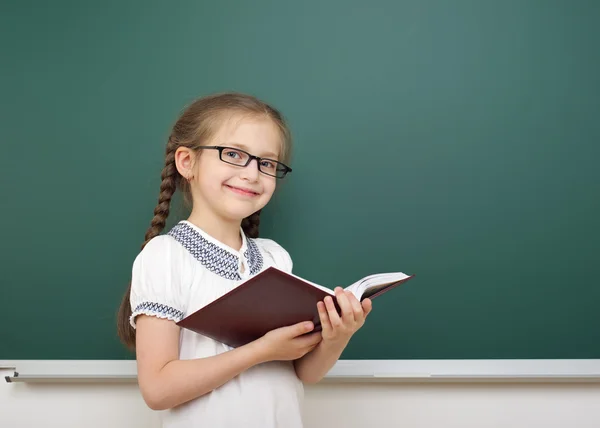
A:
250,172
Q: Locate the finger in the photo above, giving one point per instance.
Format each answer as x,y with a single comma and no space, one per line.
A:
308,349
311,339
345,306
316,338
299,329
334,317
367,305
356,306
311,347
324,317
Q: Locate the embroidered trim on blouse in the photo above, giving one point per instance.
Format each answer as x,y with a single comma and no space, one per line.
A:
214,258
158,310
254,256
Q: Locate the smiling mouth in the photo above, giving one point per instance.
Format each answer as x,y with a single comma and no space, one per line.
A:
243,192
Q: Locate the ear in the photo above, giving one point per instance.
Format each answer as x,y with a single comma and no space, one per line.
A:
184,161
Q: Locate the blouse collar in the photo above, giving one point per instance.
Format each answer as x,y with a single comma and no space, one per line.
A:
216,256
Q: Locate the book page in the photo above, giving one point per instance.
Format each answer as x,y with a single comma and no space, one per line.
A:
371,284
372,290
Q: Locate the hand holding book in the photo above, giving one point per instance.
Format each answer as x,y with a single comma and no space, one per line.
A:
289,342
339,328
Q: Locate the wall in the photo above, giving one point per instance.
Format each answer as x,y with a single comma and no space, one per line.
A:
330,404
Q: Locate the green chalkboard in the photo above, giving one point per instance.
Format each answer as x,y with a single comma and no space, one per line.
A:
459,141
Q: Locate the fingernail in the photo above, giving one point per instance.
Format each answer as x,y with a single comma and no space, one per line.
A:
308,325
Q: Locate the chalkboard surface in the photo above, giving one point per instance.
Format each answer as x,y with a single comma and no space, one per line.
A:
458,141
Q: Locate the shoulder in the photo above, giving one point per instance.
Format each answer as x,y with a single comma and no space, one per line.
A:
278,255
161,252
159,248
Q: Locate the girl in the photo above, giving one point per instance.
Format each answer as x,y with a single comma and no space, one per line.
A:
225,153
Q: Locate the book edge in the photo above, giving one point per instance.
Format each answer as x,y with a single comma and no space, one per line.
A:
389,287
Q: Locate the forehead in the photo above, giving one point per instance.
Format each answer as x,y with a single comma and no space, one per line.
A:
255,134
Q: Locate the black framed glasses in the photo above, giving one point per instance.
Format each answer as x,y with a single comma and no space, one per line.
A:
239,157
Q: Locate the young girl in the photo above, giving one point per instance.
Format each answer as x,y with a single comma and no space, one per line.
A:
225,153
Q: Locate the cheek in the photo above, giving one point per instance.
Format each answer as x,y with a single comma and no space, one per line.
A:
209,184
213,177
269,187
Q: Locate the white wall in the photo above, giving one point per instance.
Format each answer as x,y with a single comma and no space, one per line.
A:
330,404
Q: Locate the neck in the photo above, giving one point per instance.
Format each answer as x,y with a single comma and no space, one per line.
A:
227,232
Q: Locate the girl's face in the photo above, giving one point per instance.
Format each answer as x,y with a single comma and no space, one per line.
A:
234,192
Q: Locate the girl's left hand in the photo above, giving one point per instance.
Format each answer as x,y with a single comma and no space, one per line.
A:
339,329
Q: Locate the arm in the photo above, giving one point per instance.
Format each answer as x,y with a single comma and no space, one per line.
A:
337,331
314,366
166,382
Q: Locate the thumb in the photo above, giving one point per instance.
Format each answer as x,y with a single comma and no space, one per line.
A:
300,328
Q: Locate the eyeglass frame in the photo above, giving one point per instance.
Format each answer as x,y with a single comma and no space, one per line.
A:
250,159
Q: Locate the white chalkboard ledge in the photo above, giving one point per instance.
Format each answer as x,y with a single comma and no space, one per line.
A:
415,371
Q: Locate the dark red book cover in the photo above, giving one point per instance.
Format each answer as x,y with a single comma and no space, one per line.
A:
269,300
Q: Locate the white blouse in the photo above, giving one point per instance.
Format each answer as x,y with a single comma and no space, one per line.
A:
180,272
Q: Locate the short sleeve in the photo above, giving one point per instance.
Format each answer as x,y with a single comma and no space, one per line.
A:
156,281
279,255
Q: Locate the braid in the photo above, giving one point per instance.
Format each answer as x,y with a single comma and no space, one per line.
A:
170,177
250,225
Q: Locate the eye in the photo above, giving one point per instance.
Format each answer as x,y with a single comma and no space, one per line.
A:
233,154
267,164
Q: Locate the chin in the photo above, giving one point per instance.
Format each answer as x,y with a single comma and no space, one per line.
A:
240,213
240,208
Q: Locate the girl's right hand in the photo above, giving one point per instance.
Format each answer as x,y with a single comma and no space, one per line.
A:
289,343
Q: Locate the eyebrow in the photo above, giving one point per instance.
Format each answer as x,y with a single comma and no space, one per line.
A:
270,155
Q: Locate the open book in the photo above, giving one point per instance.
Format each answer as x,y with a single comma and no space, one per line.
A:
367,287
272,299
